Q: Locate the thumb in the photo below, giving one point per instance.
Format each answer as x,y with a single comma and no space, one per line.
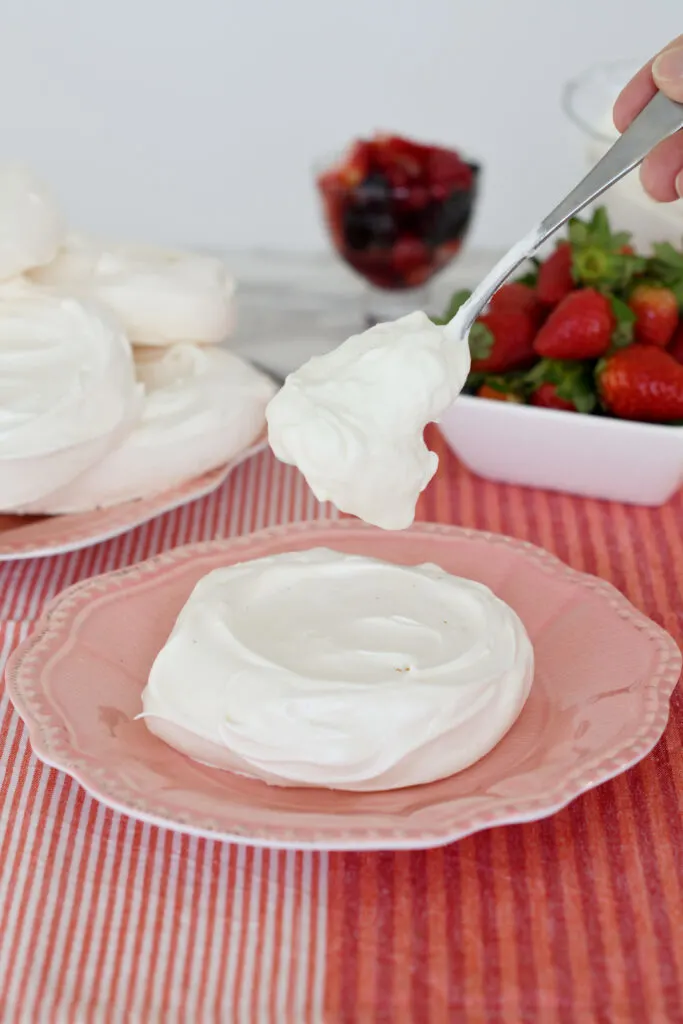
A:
667,71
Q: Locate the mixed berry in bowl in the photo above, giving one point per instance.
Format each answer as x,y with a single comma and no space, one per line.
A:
398,211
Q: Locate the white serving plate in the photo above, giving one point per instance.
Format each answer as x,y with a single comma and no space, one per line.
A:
617,460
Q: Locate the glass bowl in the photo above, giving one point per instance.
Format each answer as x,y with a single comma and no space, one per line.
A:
397,222
587,102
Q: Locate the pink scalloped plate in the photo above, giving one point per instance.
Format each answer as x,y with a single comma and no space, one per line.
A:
598,704
41,536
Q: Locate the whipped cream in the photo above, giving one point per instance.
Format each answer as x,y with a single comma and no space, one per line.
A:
68,392
353,420
161,297
202,407
319,668
31,225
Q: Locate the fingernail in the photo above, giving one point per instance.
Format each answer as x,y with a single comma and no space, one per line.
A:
668,67
678,184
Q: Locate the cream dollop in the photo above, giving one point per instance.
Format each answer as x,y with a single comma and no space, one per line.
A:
68,392
319,668
202,407
353,420
31,224
161,297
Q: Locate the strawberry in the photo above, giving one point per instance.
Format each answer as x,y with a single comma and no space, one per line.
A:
409,257
560,384
676,344
656,311
502,340
666,267
516,296
547,398
555,276
494,395
400,160
580,327
642,382
446,170
355,165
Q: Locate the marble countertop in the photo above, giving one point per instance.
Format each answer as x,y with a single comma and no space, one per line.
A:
291,306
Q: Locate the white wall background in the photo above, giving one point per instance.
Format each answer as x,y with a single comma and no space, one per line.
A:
197,121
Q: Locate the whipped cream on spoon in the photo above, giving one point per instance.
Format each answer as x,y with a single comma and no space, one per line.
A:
352,420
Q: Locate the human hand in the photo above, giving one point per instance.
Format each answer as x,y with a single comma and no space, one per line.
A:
662,171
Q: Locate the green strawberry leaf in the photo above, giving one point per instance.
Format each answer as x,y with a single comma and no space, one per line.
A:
481,341
665,253
572,379
591,264
598,371
580,391
626,267
500,384
511,383
598,256
474,382
666,267
538,374
578,232
599,227
531,277
622,335
596,267
457,300
600,232
596,231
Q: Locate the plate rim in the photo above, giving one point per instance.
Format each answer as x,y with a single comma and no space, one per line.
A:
217,478
53,624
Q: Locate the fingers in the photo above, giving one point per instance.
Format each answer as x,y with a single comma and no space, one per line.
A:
659,73
660,172
636,95
667,70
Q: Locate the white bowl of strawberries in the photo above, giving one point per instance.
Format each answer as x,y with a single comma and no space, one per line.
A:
577,373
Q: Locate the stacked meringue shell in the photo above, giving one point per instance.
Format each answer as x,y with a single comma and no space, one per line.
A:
113,382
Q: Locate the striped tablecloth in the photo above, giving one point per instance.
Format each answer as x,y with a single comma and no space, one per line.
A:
575,919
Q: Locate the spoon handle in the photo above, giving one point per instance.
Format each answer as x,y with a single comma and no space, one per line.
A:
657,121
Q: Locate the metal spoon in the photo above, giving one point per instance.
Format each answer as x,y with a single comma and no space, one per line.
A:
657,121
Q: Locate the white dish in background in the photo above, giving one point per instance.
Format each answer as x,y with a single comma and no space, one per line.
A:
588,102
592,456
